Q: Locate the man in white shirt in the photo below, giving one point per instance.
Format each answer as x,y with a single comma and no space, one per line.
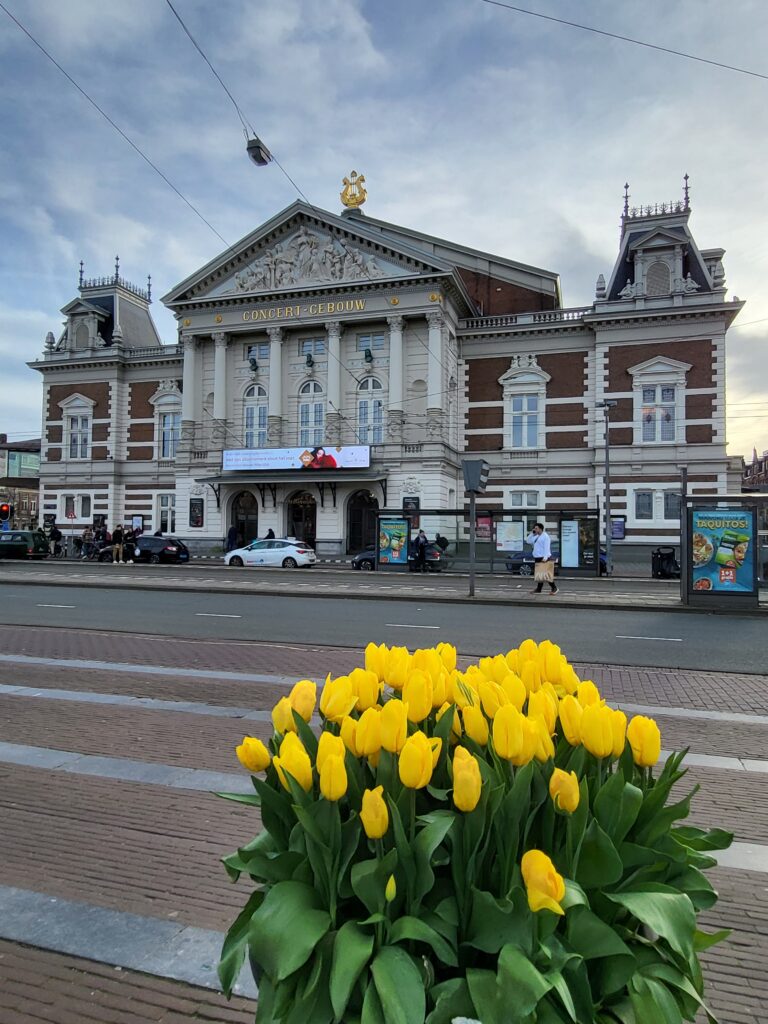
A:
542,552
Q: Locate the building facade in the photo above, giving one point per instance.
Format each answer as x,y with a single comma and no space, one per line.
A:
322,336
755,473
19,480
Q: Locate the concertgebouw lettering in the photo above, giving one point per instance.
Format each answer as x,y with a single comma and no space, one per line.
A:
312,309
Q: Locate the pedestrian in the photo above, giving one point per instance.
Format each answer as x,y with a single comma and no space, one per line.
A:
87,542
544,571
270,534
421,551
232,538
55,539
117,544
442,542
129,544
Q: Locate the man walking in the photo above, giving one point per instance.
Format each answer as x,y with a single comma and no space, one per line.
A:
117,544
542,556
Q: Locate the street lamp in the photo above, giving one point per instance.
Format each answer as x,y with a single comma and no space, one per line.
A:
606,406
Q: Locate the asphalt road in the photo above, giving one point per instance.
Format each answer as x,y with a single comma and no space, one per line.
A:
653,638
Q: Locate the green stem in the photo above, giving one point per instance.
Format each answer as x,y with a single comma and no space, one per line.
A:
413,815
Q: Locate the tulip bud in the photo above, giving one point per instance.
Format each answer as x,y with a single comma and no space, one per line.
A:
508,732
329,746
282,716
588,693
366,687
619,723
374,814
597,729
553,665
645,739
475,724
376,659
252,754
467,783
333,778
397,667
417,694
416,760
303,697
531,676
427,661
349,735
337,698
527,651
513,661
564,790
545,749
369,732
394,725
544,886
439,689
390,890
515,691
570,719
455,725
447,654
294,759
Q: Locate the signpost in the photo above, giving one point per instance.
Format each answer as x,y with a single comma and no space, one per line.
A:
476,472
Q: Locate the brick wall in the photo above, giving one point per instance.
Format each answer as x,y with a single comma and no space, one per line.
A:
497,297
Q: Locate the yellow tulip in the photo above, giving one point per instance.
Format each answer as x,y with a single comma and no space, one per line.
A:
374,814
570,719
366,688
619,723
376,659
484,667
252,754
303,698
569,681
597,729
531,743
417,694
282,716
531,675
397,667
369,732
564,790
553,665
645,739
294,759
508,732
337,698
416,760
467,783
456,724
390,889
545,749
513,687
439,689
463,691
544,886
527,651
348,735
513,661
541,703
333,778
588,693
427,661
492,697
394,725
329,746
475,724
447,654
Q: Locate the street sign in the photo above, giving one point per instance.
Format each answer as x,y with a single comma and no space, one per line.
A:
71,515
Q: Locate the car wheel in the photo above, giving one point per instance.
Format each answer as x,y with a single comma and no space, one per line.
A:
525,570
236,561
289,563
154,558
366,566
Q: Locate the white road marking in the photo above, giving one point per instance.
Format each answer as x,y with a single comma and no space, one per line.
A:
669,639
56,606
217,615
410,625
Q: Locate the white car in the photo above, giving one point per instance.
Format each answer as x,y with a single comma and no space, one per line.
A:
288,553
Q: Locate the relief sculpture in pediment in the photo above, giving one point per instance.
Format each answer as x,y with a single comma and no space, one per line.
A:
307,258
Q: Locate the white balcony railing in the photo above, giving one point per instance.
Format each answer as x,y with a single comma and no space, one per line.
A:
550,316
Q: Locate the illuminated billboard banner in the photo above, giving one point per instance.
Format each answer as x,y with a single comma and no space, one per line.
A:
347,457
722,550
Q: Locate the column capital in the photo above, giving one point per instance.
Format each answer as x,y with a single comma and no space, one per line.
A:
396,322
435,318
275,334
220,339
191,343
333,327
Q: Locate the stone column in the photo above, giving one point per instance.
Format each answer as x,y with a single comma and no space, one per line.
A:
333,411
190,385
275,399
435,395
396,418
219,426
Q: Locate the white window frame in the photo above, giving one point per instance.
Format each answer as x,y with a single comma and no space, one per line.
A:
657,519
255,408
314,346
520,382
525,494
166,506
659,372
81,408
166,402
311,418
375,341
370,411
76,498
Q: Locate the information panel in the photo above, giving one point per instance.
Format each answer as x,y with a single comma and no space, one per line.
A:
346,457
392,543
722,551
510,536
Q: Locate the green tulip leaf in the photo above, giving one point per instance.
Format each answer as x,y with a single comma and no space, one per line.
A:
484,990
705,940
652,1002
427,841
399,986
591,937
494,923
286,928
369,880
412,929
702,839
236,942
598,862
242,798
617,806
373,1012
664,910
521,984
451,999
352,949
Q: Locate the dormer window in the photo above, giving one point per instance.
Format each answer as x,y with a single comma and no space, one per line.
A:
658,280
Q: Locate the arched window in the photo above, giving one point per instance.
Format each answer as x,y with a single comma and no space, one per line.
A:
370,412
255,415
657,279
311,413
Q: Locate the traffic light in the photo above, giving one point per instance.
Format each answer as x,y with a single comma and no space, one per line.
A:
6,512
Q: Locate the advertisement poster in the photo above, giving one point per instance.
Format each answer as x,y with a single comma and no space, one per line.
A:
569,544
509,536
483,527
411,506
347,457
723,550
196,512
618,527
393,542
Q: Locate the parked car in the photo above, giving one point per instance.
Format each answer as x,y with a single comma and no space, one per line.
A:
23,544
151,549
437,559
284,551
522,562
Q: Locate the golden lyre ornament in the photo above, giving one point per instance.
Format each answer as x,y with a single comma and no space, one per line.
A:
353,194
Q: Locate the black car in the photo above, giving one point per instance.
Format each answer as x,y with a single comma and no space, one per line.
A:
437,559
522,562
150,549
23,544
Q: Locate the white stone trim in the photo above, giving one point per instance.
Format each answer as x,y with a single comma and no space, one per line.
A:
659,371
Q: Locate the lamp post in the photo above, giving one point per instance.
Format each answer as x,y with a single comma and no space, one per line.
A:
606,406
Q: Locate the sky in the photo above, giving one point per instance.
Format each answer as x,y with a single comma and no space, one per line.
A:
491,128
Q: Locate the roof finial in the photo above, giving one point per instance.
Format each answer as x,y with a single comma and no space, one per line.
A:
117,269
149,287
80,282
686,193
626,199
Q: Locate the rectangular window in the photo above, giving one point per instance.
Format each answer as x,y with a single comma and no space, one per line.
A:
33,506
672,505
168,513
370,421
170,430
375,342
24,503
259,352
658,414
79,436
311,423
256,425
643,504
523,499
69,506
525,421
85,506
312,347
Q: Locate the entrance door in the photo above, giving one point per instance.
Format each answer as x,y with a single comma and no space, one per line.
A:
361,522
302,517
245,516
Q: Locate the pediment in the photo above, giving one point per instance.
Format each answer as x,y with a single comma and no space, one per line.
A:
81,306
659,238
525,370
659,366
303,248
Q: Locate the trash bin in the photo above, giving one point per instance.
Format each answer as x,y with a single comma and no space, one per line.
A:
664,565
